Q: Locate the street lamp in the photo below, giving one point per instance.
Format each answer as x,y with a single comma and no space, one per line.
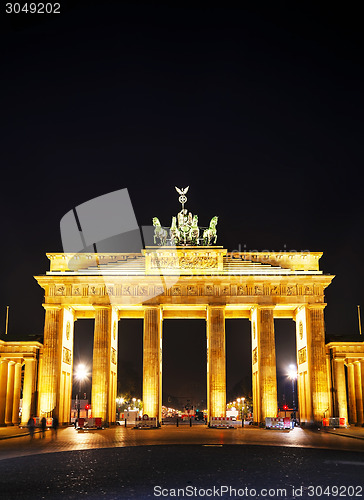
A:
292,374
80,375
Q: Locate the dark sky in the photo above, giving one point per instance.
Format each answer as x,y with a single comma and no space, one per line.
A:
258,108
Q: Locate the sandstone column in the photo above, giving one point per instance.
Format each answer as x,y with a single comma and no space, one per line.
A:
101,363
10,394
152,362
358,393
267,363
216,376
113,365
49,379
340,386
303,379
17,388
351,390
3,385
317,362
28,389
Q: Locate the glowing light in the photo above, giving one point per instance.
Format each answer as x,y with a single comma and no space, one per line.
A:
81,372
292,372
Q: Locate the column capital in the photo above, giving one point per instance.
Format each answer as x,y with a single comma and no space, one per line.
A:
261,306
98,307
50,307
339,357
216,307
320,305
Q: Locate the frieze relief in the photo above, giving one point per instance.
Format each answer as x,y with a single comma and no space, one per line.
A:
302,355
113,356
184,262
67,356
225,289
142,290
255,356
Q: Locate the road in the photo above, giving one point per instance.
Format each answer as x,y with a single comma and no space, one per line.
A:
121,463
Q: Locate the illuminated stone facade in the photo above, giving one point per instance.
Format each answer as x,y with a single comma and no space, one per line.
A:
345,368
184,282
16,357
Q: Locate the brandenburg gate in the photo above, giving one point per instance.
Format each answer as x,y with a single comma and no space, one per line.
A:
184,275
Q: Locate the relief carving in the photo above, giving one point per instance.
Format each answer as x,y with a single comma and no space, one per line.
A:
113,356
302,355
184,262
255,356
158,290
67,356
300,330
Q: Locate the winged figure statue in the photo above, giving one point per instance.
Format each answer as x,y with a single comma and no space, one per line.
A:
182,191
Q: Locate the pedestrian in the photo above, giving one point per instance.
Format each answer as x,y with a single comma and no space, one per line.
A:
31,426
55,426
43,423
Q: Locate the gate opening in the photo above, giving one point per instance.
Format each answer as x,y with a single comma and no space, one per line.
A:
184,375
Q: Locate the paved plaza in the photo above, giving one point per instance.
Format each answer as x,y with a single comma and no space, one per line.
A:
122,463
16,442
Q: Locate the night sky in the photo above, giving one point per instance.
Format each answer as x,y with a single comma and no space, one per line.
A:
258,109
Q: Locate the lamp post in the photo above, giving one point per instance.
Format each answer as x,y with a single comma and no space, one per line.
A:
81,375
292,374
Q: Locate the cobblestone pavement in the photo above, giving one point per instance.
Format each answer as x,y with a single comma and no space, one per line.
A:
68,439
194,471
123,463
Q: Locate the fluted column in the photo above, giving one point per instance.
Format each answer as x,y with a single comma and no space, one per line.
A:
358,393
10,394
317,363
50,376
216,375
28,389
351,390
17,388
3,385
267,363
101,363
152,362
340,386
